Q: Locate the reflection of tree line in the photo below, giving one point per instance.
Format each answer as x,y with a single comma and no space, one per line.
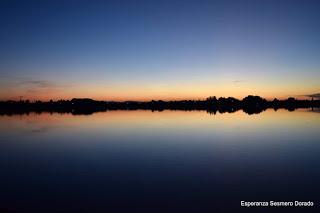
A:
250,105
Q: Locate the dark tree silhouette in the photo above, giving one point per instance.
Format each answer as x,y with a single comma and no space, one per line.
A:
250,104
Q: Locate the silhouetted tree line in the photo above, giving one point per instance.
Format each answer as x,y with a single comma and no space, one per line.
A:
250,104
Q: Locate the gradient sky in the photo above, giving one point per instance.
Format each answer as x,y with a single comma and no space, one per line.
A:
156,49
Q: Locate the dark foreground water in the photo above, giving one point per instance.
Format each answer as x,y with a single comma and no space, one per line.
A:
171,161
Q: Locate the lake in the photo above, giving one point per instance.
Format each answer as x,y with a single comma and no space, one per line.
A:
169,161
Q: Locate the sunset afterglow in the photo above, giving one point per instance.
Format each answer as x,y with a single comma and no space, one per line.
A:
167,50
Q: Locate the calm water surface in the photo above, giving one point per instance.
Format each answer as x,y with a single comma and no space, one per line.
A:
170,161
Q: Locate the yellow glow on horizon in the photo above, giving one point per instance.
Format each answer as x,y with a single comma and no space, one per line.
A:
146,92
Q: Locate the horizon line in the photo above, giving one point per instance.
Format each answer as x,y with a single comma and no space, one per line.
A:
307,97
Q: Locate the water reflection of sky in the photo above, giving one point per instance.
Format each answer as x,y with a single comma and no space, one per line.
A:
154,158
178,124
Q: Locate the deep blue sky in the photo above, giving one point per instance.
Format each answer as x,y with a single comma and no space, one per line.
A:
159,49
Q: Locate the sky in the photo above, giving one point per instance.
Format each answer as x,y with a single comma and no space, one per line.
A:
152,49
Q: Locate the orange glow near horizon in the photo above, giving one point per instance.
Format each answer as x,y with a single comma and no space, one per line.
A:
170,92
44,97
